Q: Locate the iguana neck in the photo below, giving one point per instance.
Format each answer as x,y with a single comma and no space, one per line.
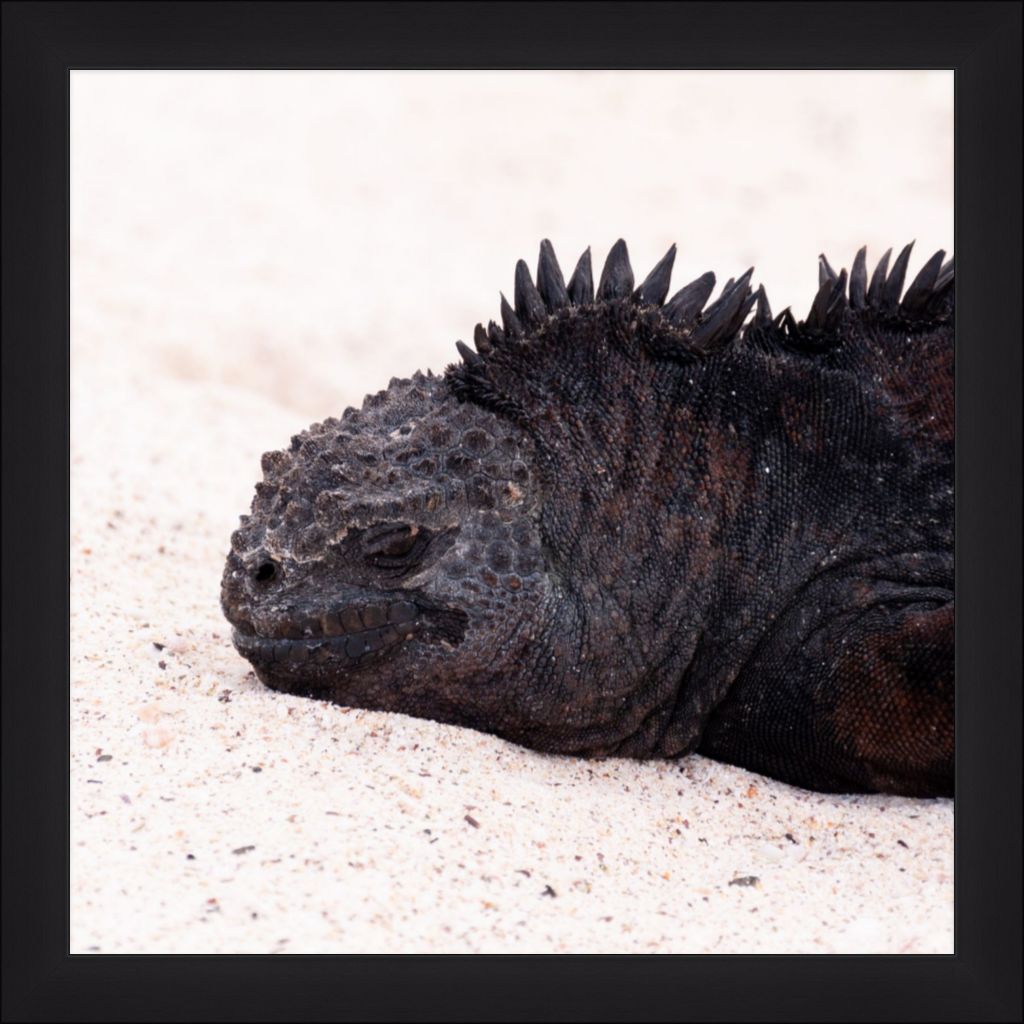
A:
701,510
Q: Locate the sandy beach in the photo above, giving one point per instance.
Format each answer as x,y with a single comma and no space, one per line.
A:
252,253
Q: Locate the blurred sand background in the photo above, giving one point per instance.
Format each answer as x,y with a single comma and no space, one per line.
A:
252,252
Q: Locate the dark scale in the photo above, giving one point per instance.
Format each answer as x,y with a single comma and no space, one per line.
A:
629,524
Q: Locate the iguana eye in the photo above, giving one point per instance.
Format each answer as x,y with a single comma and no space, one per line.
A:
392,544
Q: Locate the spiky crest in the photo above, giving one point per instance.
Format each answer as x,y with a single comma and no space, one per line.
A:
689,328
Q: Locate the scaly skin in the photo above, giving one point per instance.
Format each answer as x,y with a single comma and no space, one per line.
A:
629,527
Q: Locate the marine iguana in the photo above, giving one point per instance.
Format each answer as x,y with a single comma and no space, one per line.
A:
626,526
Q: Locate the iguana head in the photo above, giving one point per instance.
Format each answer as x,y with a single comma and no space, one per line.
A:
392,557
520,545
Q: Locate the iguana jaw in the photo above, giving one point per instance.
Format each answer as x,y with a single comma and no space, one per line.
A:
314,651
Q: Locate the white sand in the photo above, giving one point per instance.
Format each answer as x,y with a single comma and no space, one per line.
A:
252,253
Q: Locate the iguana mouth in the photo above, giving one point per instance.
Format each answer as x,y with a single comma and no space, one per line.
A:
351,635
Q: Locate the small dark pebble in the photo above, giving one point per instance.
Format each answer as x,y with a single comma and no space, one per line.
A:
522,871
745,880
472,821
105,757
159,647
789,836
162,664
257,770
224,696
548,891
244,849
190,856
900,841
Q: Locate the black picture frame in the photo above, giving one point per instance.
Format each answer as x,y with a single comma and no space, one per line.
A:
43,41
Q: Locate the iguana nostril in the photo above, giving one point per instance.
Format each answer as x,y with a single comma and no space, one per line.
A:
265,572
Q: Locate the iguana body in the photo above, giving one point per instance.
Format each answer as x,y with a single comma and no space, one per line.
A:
631,527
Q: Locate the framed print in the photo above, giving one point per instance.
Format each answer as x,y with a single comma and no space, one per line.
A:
469,554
